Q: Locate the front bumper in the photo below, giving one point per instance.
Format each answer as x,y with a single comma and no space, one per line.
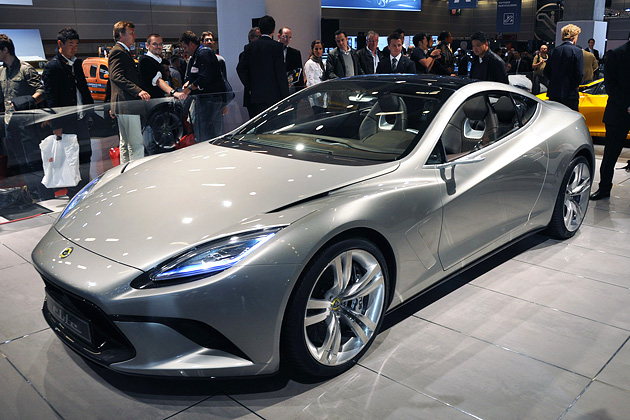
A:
223,326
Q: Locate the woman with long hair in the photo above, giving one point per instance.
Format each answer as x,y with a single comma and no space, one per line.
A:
314,67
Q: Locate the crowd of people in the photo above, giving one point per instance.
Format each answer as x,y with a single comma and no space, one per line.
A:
269,71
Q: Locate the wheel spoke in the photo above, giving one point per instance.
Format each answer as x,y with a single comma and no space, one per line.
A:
581,187
366,287
319,317
318,304
355,328
342,270
576,211
357,317
330,346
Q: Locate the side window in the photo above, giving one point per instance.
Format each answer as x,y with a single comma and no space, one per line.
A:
93,70
437,155
525,107
104,74
601,89
476,124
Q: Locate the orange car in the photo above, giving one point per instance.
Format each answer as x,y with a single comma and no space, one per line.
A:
97,75
593,99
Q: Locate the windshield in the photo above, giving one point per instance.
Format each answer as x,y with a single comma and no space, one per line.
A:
597,88
349,122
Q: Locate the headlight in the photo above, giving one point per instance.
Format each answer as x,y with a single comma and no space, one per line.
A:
213,258
80,196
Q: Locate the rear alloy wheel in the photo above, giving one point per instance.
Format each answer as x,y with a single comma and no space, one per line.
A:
337,309
572,201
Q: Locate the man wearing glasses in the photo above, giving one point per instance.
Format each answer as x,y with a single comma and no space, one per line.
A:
151,76
292,59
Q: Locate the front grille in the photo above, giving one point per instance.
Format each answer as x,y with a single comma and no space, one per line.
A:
107,345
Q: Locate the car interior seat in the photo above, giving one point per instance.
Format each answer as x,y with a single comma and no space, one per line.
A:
389,113
506,116
481,125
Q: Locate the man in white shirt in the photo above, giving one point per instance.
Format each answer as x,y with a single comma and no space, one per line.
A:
370,56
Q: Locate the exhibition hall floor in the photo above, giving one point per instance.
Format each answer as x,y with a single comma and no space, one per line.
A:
539,331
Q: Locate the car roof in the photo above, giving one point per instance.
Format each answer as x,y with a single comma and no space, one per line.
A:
447,82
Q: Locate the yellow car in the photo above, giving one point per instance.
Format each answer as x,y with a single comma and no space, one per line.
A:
593,99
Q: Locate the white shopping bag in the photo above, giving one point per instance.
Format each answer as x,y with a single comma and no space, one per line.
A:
61,161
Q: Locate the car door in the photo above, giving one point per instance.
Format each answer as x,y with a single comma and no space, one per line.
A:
492,177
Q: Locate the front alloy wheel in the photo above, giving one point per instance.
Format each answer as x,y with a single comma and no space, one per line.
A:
337,308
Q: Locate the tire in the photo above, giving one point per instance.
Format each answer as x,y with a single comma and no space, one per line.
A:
336,310
572,201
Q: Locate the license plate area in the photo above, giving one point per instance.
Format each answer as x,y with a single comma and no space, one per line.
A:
70,322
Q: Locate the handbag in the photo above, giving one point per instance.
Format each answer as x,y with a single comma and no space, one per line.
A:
229,94
60,159
114,155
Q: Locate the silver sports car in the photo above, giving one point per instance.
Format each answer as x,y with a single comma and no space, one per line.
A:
287,240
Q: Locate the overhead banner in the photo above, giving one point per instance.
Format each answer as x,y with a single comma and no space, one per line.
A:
462,4
508,15
399,5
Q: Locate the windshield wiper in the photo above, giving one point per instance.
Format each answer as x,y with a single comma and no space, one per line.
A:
331,143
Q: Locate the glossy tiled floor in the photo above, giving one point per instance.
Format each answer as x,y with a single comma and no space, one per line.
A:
540,331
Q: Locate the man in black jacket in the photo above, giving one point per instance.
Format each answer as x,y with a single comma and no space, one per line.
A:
343,60
66,86
616,115
204,81
486,65
395,62
262,70
565,69
292,60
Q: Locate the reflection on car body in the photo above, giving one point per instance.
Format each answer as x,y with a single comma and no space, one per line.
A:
97,76
287,240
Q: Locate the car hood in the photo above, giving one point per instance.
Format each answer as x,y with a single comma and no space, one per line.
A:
164,205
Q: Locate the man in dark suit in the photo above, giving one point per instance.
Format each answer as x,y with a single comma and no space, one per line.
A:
125,87
519,65
565,69
292,60
343,60
65,85
204,82
396,62
252,36
370,56
616,116
591,48
262,70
